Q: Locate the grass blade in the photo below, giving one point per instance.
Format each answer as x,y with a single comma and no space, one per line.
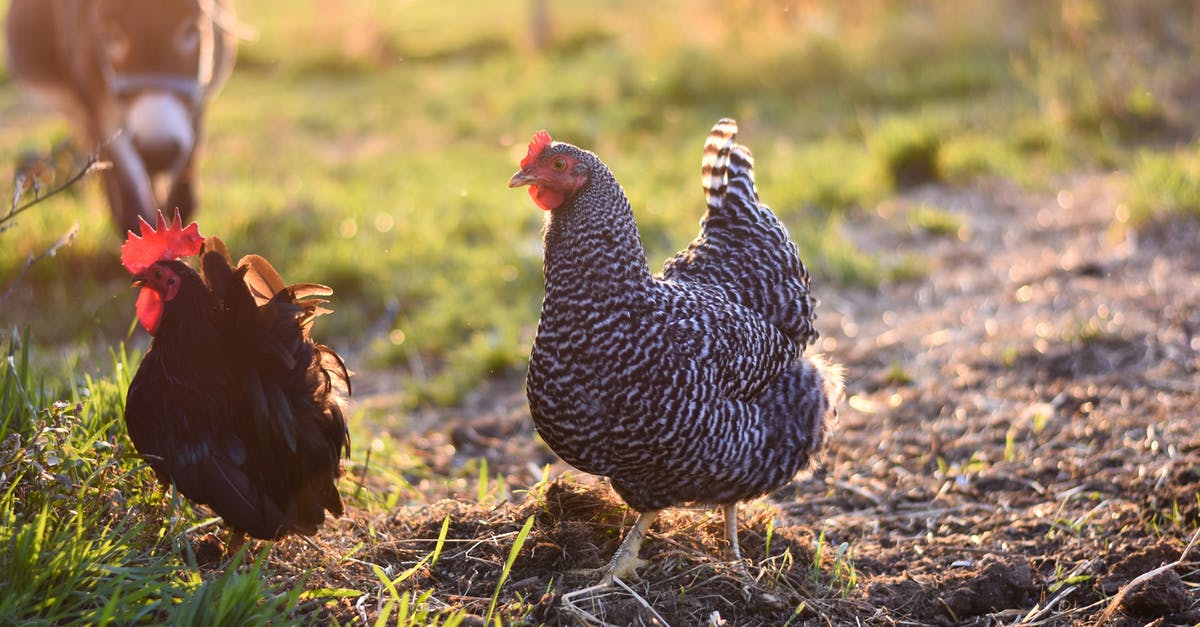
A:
441,541
512,557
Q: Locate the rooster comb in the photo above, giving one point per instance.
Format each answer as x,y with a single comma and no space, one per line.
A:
169,241
541,139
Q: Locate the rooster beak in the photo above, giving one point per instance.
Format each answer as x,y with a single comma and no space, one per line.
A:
522,178
137,282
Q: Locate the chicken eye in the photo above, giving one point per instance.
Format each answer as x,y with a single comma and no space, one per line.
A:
559,164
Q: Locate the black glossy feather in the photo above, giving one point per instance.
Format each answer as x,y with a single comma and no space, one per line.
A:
236,404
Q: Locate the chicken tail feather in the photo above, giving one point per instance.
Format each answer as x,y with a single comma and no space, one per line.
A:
715,161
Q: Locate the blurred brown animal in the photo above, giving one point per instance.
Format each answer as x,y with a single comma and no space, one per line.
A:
133,77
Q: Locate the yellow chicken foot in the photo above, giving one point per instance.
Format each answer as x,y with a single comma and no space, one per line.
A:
731,533
625,561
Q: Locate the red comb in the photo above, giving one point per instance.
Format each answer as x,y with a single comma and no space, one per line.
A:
168,242
541,139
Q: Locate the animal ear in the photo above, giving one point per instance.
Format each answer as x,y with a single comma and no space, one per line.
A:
541,139
169,241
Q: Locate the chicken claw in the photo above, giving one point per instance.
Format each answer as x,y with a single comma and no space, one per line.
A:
625,561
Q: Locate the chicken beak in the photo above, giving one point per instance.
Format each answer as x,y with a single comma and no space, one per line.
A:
522,178
137,282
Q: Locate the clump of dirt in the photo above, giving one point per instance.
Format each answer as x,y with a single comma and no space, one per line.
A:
1163,594
1146,586
1131,563
972,589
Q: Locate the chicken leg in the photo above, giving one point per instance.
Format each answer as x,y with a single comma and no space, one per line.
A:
731,532
625,561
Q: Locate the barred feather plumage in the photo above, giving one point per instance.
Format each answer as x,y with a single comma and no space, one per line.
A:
687,386
742,245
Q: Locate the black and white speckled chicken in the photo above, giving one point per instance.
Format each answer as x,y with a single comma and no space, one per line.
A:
683,387
234,403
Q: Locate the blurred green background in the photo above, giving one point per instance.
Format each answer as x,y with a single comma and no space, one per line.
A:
366,145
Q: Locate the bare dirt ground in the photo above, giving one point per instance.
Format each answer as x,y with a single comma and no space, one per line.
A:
1018,446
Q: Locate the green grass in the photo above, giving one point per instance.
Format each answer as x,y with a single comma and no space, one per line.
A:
905,153
367,148
1164,182
88,535
934,220
837,571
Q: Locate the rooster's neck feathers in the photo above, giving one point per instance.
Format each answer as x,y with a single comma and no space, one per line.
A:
187,319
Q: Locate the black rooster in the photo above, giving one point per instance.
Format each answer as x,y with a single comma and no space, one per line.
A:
233,402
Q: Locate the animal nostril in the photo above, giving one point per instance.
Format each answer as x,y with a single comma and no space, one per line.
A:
161,129
159,153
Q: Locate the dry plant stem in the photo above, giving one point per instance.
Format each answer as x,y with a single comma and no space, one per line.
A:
92,164
625,561
572,603
596,597
6,221
644,603
731,532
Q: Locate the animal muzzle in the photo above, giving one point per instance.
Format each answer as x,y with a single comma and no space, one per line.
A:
160,126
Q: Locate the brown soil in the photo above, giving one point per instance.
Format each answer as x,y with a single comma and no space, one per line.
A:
1019,444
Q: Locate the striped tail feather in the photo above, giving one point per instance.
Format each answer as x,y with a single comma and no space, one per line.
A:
715,161
742,248
741,176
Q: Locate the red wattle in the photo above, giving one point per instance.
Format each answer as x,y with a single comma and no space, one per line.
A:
545,198
149,309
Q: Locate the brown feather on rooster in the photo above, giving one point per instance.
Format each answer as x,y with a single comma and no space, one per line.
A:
687,386
234,402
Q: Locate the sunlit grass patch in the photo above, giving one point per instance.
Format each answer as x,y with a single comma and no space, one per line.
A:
1163,183
971,155
934,220
905,152
833,567
88,535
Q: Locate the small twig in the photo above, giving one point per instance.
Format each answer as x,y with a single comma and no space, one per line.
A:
92,164
6,222
949,610
644,603
1168,385
901,513
1037,613
591,593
